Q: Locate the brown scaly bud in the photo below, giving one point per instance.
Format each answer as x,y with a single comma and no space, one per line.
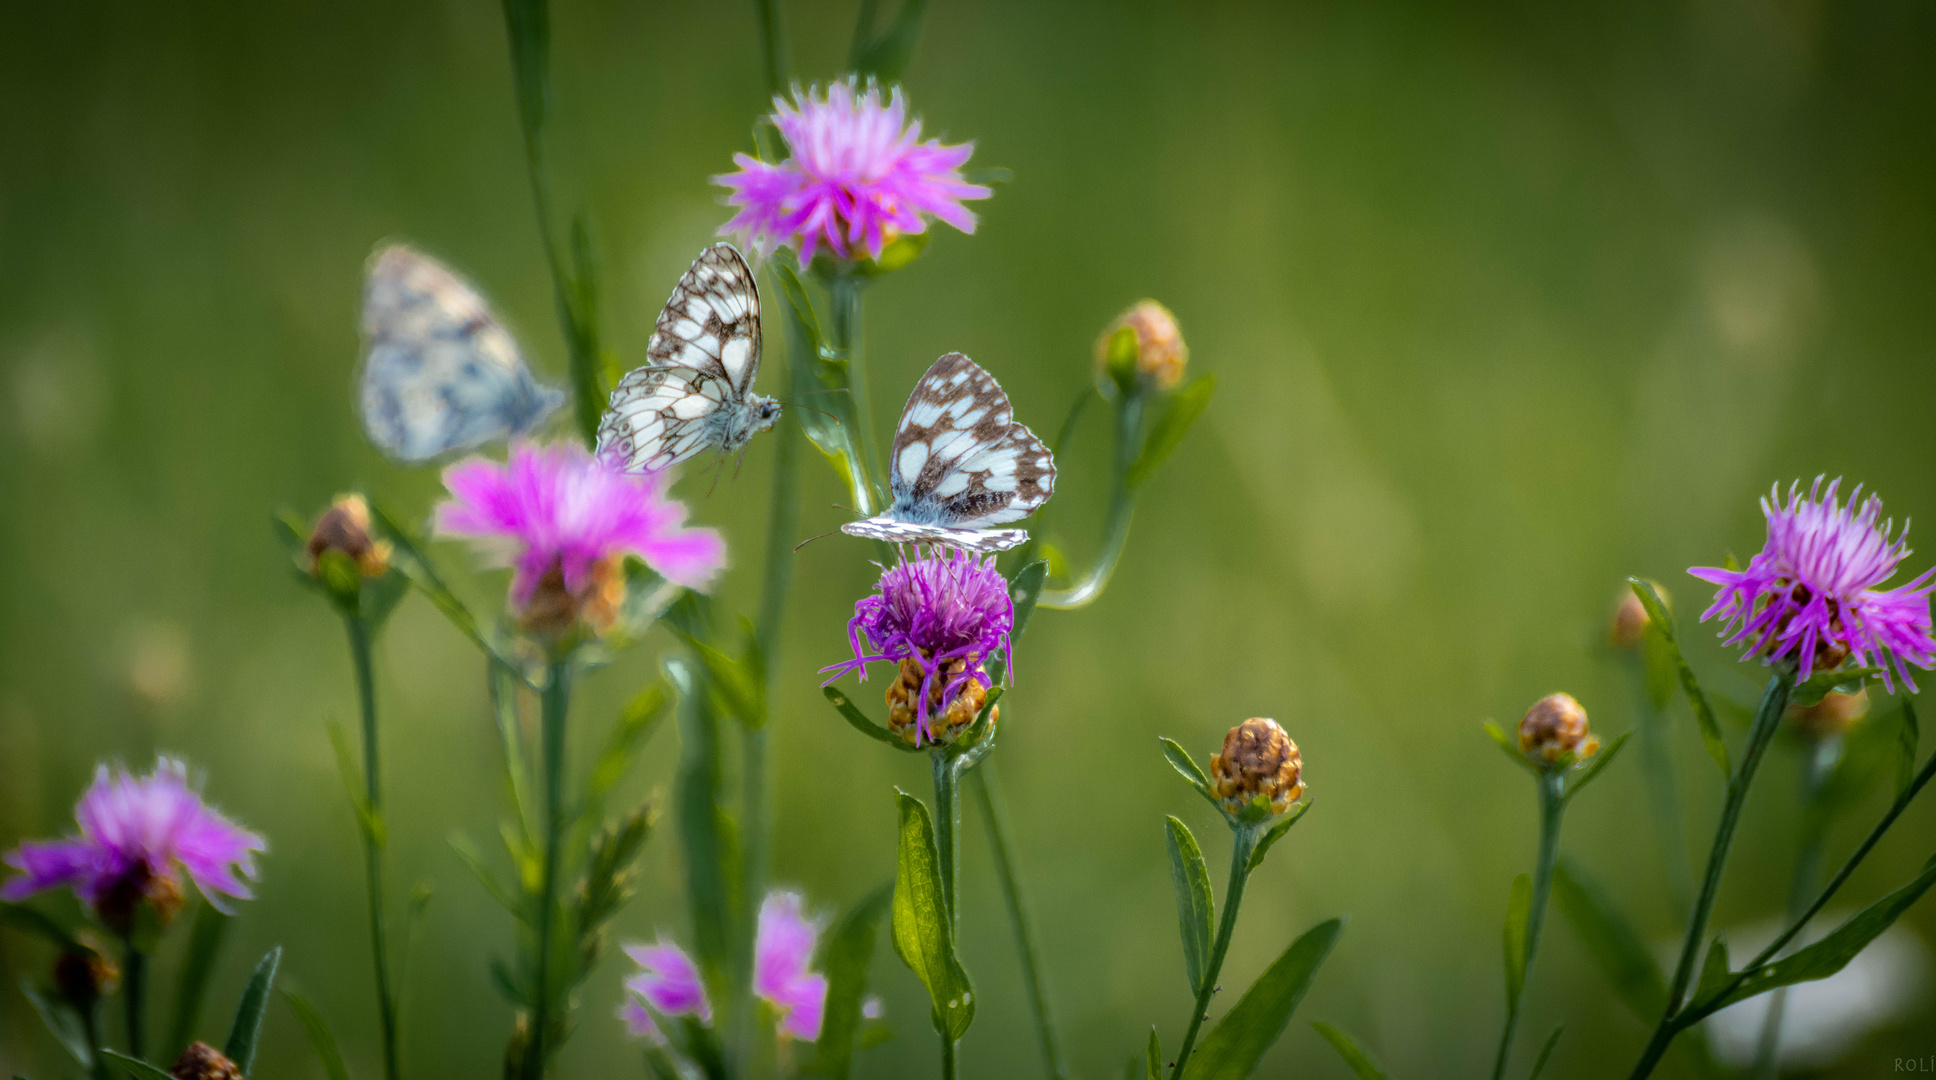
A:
944,726
85,975
554,609
1554,727
1152,351
203,1062
1834,714
1257,759
345,527
120,902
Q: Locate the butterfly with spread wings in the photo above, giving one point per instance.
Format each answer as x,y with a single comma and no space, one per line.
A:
960,463
439,372
696,393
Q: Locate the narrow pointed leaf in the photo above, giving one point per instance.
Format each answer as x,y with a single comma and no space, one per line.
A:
1611,940
321,1038
1822,683
1196,906
473,861
922,936
1598,765
1714,969
1545,1053
204,945
246,1032
1506,743
852,714
1024,589
705,832
134,1066
62,1022
1661,661
1153,1056
1276,833
1168,432
1519,908
846,952
1660,617
1240,1039
21,917
1354,1058
886,56
1186,766
1908,736
743,690
635,727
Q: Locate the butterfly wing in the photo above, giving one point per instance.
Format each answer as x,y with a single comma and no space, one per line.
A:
893,531
704,355
440,373
959,456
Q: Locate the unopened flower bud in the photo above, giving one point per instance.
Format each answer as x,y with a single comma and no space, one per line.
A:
554,608
1554,727
944,725
1833,715
203,1062
345,528
1143,347
85,975
1257,759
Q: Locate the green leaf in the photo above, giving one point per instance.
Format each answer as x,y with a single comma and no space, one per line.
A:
134,1066
1545,1053
1186,767
1168,432
473,860
1276,833
1240,1039
249,1013
1832,953
1821,683
989,177
1660,659
635,727
1196,905
1714,969
743,690
1024,589
610,880
886,57
1598,765
1907,739
1611,940
1660,617
370,823
706,833
974,743
62,1022
321,1039
1153,1056
1507,744
845,953
922,936
822,370
849,712
410,560
205,940
27,919
1519,908
1354,1058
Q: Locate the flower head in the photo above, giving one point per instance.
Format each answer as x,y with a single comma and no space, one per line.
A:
345,528
859,174
1257,759
781,953
565,520
203,1062
669,983
1143,346
137,834
1811,593
940,607
1554,727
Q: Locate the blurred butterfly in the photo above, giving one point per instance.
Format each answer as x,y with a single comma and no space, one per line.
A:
696,391
960,464
440,373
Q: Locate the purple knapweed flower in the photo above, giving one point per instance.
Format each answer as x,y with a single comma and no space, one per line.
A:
944,605
1811,593
669,984
565,519
860,173
137,834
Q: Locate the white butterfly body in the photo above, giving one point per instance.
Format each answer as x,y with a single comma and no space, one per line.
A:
696,393
440,373
960,464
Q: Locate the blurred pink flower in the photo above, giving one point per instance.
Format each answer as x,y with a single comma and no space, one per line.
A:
780,957
859,174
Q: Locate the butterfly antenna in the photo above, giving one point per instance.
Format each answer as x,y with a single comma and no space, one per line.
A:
738,463
849,509
829,390
809,408
716,475
811,539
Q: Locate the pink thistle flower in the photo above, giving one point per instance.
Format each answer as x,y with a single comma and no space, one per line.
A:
558,511
781,954
860,173
669,983
943,606
137,834
1811,593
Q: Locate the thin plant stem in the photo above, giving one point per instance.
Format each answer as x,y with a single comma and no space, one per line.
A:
1819,764
996,820
844,289
1774,701
1664,797
134,994
1552,805
1243,842
947,826
948,1064
554,704
1122,506
91,1031
773,48
373,840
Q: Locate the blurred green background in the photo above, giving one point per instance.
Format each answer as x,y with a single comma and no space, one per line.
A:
1506,302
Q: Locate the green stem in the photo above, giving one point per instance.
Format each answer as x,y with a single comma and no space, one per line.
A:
1552,805
373,840
1243,842
91,1031
948,1065
773,50
947,826
844,289
1122,506
553,707
1820,763
1774,701
134,987
996,821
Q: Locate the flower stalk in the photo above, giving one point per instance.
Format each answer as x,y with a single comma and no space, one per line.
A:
134,990
1244,837
358,627
1122,507
844,292
1552,806
989,800
554,705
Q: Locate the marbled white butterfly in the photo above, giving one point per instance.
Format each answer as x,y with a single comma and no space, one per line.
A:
960,464
440,373
696,393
